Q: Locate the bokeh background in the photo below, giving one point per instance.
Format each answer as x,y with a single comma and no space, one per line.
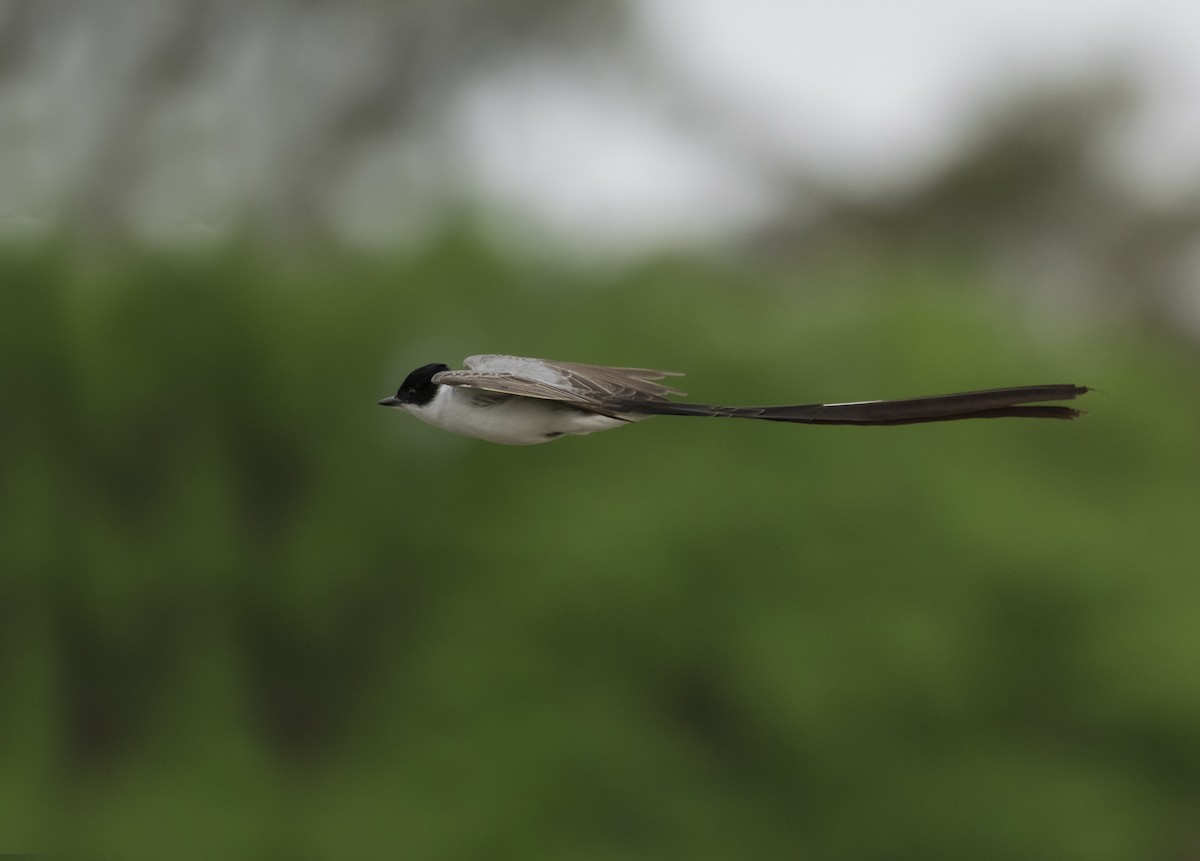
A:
246,613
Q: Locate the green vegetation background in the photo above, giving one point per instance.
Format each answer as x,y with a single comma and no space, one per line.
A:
244,612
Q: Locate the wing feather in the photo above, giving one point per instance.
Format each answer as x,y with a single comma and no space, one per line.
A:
569,382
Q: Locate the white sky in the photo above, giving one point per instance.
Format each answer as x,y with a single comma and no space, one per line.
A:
587,152
868,94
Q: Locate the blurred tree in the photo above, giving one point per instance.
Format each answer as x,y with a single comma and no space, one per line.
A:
291,90
1031,200
245,611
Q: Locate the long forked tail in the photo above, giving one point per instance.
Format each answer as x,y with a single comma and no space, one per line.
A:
986,404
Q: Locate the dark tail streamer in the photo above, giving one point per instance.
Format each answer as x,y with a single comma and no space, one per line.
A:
986,404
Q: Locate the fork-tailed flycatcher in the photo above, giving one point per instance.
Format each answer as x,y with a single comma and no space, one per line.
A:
519,401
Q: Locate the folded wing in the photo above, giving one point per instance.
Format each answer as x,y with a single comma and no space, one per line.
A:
587,386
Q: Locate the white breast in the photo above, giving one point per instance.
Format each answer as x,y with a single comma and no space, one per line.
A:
510,420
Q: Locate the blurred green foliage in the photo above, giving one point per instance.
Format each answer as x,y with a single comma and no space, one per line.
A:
247,613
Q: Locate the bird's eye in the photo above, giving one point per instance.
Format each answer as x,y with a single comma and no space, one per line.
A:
410,392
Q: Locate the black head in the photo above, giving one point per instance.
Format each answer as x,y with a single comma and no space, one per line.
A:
418,387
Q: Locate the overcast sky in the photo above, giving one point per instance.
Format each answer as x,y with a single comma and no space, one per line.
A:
868,94
605,147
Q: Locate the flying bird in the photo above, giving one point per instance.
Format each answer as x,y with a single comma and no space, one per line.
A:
519,401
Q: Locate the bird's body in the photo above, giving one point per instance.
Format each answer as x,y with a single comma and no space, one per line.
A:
520,401
510,419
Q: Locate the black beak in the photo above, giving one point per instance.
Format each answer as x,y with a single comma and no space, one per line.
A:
390,402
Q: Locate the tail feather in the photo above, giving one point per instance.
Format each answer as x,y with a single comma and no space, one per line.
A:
986,404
